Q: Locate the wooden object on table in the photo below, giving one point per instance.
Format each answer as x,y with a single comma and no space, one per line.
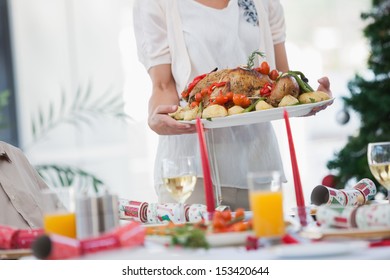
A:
14,254
372,234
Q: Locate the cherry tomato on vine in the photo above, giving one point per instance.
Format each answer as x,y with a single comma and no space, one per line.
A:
227,215
274,74
240,213
194,104
229,95
204,91
264,68
198,97
245,101
237,99
221,99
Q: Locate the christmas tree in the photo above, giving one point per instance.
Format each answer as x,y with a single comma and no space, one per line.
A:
370,97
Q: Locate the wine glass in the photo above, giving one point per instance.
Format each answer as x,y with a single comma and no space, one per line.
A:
378,156
179,179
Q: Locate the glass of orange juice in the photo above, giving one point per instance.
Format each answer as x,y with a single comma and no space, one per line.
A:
59,216
266,203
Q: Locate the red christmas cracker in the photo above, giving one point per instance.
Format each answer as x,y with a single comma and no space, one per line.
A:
25,237
7,234
60,247
133,209
13,238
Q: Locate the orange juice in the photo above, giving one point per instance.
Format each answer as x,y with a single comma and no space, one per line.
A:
62,223
267,209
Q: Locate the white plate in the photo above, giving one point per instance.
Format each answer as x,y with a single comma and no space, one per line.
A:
214,240
317,249
228,238
261,116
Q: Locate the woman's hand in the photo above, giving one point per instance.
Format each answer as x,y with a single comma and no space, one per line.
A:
161,103
325,87
163,124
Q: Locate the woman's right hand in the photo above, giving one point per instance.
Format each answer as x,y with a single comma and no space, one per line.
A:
161,123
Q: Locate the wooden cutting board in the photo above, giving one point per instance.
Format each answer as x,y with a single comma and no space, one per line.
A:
14,254
369,234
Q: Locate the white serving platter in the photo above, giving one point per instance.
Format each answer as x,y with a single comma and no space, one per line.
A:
262,116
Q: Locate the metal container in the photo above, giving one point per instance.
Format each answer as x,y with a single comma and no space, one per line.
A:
87,216
108,210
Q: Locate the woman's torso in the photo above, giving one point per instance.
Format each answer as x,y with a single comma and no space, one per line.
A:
219,38
223,38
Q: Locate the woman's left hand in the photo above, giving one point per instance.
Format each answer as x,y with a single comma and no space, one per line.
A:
325,87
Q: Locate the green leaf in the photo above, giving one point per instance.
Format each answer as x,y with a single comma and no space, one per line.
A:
41,118
63,102
64,176
75,104
33,129
85,99
4,97
51,112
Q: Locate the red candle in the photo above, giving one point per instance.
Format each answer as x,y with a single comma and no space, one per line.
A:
297,180
208,185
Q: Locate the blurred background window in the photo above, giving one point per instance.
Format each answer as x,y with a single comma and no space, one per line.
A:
8,127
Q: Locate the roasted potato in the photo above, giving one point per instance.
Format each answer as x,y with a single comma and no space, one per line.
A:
288,100
313,97
235,110
262,105
214,111
191,114
179,114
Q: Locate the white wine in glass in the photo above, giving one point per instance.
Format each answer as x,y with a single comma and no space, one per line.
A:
180,187
179,179
378,156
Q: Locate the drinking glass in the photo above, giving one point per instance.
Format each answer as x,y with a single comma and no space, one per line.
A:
378,156
266,202
59,213
179,179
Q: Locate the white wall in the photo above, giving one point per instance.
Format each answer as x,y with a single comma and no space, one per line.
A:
68,43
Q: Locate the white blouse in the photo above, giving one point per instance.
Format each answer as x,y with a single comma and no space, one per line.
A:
195,39
219,38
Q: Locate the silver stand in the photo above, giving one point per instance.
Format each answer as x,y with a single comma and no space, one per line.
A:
214,167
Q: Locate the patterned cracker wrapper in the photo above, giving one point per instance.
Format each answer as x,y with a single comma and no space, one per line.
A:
151,213
354,198
324,195
371,216
169,212
335,216
133,209
164,213
367,188
197,212
363,191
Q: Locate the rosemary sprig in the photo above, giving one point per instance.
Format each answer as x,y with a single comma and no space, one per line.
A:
251,58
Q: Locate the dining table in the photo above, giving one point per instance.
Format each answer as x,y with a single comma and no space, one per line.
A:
234,246
350,250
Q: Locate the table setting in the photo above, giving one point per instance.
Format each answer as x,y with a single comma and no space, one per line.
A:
336,224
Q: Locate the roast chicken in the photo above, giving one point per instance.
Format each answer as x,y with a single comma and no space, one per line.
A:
231,91
238,80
